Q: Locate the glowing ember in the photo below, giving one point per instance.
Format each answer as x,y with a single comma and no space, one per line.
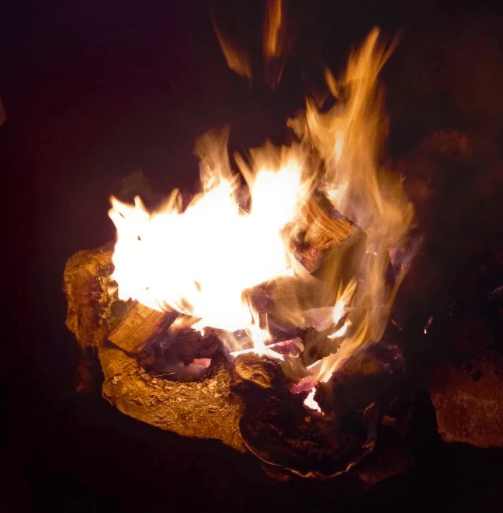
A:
206,260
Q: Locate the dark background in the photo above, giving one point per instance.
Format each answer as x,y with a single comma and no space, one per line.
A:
96,90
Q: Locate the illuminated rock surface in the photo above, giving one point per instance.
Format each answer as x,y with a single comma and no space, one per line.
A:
469,402
205,409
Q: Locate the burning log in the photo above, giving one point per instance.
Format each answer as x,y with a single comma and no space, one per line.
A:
282,432
181,354
324,230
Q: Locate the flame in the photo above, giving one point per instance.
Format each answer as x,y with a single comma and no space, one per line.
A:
349,141
272,28
202,261
234,53
311,402
206,260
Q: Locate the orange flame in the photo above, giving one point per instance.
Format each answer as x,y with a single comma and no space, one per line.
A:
272,28
206,261
234,53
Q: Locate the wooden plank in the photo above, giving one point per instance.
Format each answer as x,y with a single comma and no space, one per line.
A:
136,327
323,231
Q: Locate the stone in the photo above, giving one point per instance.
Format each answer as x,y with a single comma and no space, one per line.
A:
468,402
203,409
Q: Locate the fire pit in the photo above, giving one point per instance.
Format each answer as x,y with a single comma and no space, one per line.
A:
256,311
260,311
95,92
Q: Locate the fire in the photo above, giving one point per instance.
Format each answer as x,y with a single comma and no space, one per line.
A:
206,260
202,261
273,27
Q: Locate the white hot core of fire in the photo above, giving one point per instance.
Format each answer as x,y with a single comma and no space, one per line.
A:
205,259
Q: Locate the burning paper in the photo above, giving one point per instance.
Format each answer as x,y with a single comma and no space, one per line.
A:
207,260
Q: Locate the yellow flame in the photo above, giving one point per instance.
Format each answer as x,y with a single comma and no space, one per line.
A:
205,261
202,261
349,139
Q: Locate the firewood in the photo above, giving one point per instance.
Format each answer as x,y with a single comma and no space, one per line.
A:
137,326
181,354
278,429
253,369
324,231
